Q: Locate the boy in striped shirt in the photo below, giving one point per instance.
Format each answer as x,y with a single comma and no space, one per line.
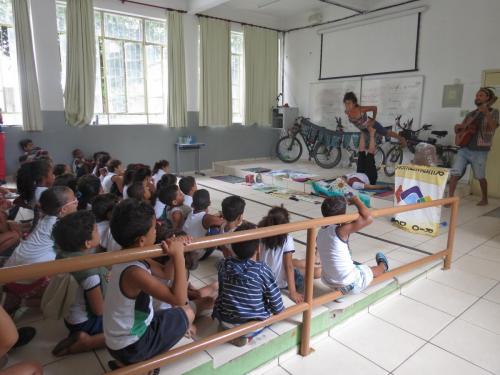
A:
247,288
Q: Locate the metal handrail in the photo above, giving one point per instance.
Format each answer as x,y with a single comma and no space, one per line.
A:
31,271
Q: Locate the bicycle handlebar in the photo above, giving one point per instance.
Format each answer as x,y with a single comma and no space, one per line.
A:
424,127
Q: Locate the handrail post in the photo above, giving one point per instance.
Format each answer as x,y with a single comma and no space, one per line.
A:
308,298
451,235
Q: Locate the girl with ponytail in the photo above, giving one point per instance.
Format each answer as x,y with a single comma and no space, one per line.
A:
277,252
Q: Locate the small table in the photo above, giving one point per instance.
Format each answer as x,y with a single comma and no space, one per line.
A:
186,147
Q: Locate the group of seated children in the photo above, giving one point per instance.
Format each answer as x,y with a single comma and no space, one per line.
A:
142,308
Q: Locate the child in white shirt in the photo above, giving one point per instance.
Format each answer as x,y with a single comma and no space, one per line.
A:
102,208
338,270
76,235
188,187
199,221
55,202
160,168
277,253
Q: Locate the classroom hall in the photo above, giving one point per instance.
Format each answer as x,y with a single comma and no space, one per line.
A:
249,187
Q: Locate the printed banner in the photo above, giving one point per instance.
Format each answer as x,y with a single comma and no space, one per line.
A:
416,184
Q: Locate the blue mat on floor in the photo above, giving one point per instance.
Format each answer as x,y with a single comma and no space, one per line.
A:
229,179
257,170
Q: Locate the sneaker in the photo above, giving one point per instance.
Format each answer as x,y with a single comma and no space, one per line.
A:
381,258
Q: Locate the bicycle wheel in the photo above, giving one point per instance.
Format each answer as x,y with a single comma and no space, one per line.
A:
394,158
447,158
288,149
326,156
379,158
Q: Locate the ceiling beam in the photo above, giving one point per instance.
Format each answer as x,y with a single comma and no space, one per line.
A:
358,8
198,6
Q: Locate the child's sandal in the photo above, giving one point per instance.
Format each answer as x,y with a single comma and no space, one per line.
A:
381,258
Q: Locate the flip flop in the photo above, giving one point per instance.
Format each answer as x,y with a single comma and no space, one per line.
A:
381,258
63,345
25,334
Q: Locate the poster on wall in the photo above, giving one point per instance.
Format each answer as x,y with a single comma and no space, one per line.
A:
418,184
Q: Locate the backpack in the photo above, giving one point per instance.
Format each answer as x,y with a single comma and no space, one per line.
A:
59,296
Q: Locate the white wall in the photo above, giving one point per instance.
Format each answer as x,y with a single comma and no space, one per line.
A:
458,40
47,45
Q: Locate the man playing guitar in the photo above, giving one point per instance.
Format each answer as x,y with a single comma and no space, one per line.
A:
481,125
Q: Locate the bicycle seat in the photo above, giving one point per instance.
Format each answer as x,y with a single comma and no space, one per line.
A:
439,133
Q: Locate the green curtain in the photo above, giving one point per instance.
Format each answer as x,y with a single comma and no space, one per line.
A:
176,71
215,72
81,62
30,98
261,74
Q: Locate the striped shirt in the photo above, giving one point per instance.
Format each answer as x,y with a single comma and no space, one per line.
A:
247,291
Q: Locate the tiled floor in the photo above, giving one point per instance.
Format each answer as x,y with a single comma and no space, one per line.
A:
444,322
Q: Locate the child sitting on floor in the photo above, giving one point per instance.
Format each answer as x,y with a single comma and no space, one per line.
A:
232,212
247,288
67,179
277,253
188,187
165,181
10,231
80,166
199,221
112,182
33,178
76,235
60,169
160,168
175,211
87,188
338,270
102,208
55,202
139,192
132,330
204,297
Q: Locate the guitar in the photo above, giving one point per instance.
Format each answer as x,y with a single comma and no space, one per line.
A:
466,130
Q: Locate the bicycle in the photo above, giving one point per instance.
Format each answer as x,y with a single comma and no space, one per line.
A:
395,155
289,147
339,139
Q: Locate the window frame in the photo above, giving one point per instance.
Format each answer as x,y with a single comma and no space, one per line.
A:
17,116
242,82
103,69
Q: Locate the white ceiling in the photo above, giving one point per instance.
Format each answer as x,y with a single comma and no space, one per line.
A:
284,9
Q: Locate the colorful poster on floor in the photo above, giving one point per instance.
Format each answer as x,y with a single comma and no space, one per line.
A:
416,184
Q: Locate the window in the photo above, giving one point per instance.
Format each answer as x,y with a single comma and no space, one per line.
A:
237,76
131,67
10,98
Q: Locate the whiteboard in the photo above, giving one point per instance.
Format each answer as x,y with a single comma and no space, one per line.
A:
394,96
363,49
326,102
